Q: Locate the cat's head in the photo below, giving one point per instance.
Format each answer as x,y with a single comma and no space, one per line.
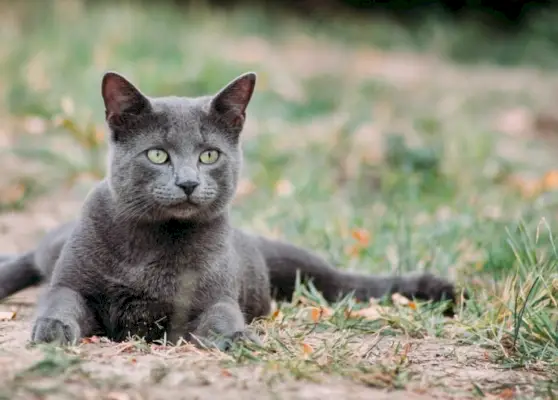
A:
174,157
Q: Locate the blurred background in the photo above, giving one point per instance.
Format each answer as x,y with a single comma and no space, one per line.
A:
388,135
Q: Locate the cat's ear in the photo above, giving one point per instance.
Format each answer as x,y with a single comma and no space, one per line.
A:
230,103
121,96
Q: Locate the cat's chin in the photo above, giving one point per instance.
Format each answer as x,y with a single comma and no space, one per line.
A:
186,209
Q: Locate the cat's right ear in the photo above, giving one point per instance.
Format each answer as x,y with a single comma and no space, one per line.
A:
121,97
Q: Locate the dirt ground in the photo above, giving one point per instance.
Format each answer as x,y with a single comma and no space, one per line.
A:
435,368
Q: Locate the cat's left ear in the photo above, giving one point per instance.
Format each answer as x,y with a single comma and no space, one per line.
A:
230,103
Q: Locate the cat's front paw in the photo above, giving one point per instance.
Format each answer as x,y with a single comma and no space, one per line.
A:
226,342
50,330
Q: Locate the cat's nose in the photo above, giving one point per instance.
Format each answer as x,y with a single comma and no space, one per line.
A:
188,186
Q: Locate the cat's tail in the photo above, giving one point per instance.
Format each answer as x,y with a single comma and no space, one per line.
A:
284,261
18,273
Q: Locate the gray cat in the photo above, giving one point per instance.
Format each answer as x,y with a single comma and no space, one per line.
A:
153,253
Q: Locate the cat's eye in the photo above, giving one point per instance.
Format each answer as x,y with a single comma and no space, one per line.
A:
157,156
209,156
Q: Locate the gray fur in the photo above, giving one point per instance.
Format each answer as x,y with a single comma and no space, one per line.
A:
147,258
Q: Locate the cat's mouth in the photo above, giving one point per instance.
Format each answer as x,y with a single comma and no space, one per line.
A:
185,203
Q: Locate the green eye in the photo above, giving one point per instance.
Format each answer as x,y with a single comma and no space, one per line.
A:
157,156
209,156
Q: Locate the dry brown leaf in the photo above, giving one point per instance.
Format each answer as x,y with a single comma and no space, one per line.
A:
507,393
7,315
307,349
277,315
362,236
317,313
91,339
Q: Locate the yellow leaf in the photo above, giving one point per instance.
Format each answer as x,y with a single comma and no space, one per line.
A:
7,315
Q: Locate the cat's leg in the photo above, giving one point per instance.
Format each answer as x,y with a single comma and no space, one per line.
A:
63,318
221,324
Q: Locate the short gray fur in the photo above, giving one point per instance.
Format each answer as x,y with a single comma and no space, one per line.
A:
153,253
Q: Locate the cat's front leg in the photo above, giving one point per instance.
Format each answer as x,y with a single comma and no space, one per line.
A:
222,324
63,318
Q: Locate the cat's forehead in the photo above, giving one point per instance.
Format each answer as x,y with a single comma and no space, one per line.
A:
186,119
181,110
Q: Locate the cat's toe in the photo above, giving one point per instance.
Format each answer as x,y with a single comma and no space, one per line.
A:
50,330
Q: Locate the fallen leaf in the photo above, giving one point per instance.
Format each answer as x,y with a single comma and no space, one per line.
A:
226,372
277,314
362,236
307,349
507,393
317,313
7,315
374,312
550,180
400,300
91,339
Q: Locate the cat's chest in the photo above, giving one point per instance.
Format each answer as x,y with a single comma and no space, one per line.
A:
149,305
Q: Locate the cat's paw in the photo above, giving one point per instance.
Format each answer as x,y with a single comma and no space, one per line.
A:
226,342
50,330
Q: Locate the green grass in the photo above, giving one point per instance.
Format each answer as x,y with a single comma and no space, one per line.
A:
421,186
